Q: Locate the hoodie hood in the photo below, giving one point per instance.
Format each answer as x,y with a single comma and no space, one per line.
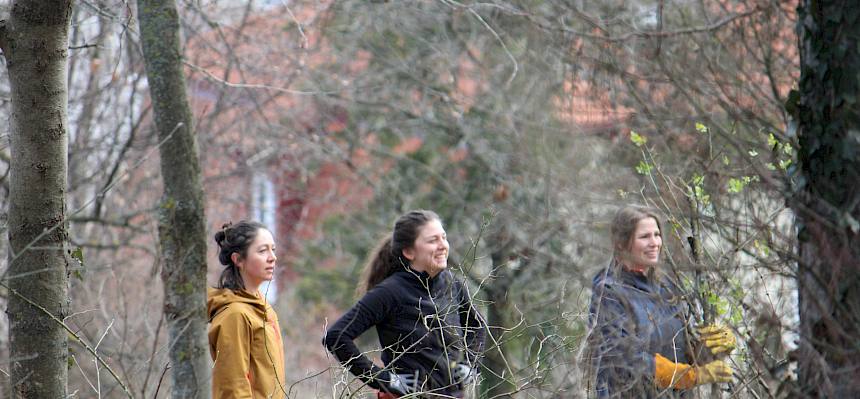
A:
219,298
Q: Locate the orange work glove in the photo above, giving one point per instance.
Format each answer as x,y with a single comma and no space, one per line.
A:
683,376
719,339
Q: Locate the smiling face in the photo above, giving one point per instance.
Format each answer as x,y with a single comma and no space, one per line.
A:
258,264
429,253
645,244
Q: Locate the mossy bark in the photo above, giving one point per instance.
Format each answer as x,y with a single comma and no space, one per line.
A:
35,44
181,222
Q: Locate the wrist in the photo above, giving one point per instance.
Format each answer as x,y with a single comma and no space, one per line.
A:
379,379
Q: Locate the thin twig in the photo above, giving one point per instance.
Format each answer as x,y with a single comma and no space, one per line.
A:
161,379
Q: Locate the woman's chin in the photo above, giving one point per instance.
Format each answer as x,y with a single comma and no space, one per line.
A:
439,267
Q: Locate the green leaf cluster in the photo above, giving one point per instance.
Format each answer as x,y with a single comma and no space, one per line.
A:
736,185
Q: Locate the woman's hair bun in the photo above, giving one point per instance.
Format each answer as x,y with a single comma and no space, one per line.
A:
234,238
221,235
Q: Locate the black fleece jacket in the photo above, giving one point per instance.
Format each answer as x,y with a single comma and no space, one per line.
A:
424,324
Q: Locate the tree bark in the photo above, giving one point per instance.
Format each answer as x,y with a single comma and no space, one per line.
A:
498,379
826,198
181,222
35,43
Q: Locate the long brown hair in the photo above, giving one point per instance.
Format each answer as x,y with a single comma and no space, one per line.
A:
387,256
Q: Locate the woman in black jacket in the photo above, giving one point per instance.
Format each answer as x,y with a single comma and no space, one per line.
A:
640,337
431,335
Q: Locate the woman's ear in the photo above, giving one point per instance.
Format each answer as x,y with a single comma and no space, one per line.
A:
235,258
409,253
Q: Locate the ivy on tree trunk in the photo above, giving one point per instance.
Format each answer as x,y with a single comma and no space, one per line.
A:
826,197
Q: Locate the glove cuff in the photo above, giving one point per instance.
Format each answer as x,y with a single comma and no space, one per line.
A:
670,374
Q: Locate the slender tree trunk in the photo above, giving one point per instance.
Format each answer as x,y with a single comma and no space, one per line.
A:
498,381
827,199
181,223
35,44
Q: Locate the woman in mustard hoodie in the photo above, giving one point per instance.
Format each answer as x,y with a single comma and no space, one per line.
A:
244,335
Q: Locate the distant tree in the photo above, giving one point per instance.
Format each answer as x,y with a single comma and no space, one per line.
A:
35,43
827,198
182,229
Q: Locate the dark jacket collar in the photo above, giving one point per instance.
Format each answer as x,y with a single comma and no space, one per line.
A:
615,273
422,278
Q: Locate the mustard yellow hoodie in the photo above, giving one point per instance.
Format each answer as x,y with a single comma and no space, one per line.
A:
245,343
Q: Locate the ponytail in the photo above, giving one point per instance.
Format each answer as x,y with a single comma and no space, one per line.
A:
230,278
381,264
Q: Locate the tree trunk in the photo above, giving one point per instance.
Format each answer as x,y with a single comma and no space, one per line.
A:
498,380
35,44
181,222
826,198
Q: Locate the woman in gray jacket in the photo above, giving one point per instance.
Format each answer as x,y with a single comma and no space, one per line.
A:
639,319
